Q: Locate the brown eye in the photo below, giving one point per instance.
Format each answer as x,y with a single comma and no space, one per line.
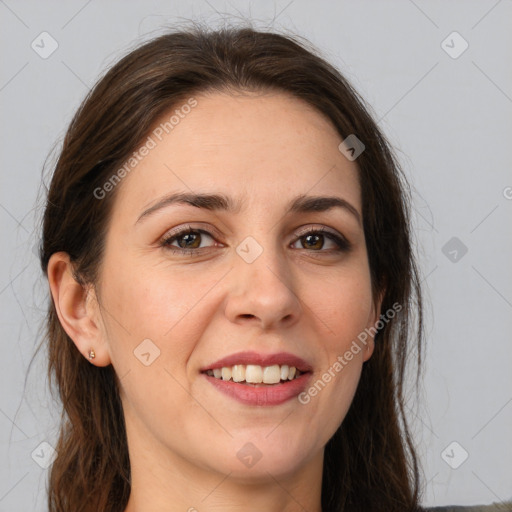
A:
188,240
315,239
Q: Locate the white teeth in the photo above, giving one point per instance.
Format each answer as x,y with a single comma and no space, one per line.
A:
272,374
255,374
238,373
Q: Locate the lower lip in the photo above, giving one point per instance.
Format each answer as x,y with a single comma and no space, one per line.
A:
273,394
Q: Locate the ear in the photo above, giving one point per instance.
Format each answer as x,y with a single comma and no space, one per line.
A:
78,310
372,321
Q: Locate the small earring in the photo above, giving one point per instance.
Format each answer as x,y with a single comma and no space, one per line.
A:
92,355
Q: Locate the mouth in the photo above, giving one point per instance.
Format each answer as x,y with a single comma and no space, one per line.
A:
258,393
256,375
256,379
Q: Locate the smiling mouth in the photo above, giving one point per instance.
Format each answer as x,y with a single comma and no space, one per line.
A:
272,389
254,375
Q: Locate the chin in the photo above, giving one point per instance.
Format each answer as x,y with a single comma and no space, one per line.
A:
254,461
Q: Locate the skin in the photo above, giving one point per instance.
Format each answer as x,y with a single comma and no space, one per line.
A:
305,298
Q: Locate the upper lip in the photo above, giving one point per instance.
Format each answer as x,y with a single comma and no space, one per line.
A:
256,358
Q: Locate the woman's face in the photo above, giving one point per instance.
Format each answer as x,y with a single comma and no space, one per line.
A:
247,277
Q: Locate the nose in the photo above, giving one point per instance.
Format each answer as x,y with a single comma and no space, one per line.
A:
262,292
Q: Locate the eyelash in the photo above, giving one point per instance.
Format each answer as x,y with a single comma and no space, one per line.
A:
342,243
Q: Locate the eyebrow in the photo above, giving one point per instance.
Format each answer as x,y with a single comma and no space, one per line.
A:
220,202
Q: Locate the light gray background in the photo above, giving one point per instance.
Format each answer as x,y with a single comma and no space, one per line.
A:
450,119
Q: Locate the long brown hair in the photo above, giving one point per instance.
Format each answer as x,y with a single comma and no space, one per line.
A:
370,462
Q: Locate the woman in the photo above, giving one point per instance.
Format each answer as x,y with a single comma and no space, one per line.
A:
227,246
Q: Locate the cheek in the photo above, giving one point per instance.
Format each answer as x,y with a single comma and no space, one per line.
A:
344,304
152,302
346,351
342,310
155,319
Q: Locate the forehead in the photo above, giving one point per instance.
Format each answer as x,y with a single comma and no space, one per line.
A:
261,146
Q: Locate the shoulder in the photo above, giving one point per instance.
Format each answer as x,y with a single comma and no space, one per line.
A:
495,507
